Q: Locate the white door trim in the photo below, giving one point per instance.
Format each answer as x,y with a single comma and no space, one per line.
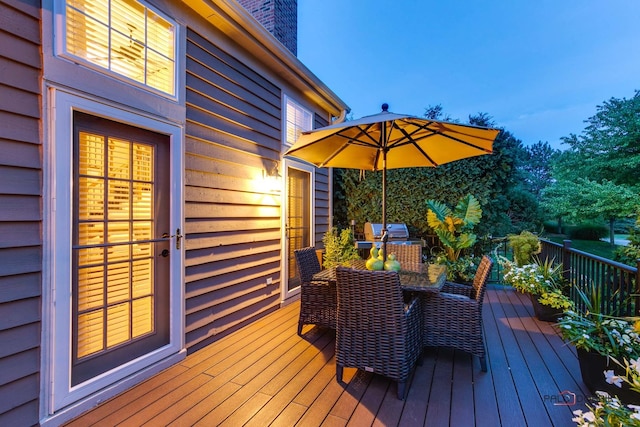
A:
289,163
56,391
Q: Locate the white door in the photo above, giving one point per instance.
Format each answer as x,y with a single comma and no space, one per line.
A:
299,220
115,296
120,255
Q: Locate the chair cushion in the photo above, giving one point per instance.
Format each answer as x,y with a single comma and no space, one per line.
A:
455,296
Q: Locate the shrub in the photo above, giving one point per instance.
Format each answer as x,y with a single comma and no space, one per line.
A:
552,227
588,232
525,245
630,253
339,248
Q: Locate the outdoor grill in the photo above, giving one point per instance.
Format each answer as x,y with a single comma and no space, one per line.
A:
397,233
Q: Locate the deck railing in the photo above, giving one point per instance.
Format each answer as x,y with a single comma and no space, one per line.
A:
612,286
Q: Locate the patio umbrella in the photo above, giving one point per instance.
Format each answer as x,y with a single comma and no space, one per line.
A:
389,141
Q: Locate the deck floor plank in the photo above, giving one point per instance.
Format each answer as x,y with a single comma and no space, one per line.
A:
462,413
439,407
175,394
509,406
367,408
419,393
549,380
210,353
203,406
348,400
515,340
284,366
195,406
287,385
318,411
265,374
290,416
390,411
107,408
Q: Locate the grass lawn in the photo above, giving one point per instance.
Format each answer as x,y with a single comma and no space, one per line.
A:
599,248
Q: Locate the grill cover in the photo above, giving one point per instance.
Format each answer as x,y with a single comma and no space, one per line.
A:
373,231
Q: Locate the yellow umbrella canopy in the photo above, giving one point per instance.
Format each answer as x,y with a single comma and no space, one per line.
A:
389,141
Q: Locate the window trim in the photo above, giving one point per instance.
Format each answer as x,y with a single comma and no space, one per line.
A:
60,51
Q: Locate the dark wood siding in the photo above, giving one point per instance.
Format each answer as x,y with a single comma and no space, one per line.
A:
323,196
20,211
232,224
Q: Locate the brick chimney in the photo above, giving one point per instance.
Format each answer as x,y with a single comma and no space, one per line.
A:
279,17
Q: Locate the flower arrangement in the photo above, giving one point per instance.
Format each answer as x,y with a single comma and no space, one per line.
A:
556,299
607,335
541,279
592,330
608,410
523,279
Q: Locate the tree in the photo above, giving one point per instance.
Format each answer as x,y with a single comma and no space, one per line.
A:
537,166
558,200
630,254
609,201
436,112
609,147
586,199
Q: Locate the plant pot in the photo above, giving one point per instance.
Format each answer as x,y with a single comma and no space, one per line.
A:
544,312
592,367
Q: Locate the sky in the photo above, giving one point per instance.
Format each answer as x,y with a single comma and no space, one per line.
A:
538,68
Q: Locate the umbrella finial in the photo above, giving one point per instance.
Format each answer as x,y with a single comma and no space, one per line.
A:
385,107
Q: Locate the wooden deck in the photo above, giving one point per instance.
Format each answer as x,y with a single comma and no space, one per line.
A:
265,374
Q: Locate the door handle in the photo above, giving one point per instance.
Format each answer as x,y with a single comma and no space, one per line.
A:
178,237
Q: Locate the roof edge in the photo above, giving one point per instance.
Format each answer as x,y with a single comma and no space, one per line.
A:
234,20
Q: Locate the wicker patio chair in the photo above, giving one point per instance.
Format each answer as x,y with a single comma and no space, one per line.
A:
455,320
469,289
375,330
318,299
406,254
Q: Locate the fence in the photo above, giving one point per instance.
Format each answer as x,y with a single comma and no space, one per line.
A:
611,287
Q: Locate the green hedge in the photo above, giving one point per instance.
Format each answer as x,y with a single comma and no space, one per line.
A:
587,232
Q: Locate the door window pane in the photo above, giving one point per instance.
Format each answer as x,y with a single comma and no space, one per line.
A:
114,258
298,218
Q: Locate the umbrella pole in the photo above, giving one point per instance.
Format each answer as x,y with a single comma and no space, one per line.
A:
385,235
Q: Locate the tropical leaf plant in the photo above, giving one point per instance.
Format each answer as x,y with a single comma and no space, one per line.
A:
454,226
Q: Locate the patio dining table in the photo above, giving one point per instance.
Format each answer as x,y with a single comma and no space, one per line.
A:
418,277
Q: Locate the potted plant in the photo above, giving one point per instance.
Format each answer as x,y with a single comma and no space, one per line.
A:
454,228
339,248
600,340
609,410
462,270
543,281
524,245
